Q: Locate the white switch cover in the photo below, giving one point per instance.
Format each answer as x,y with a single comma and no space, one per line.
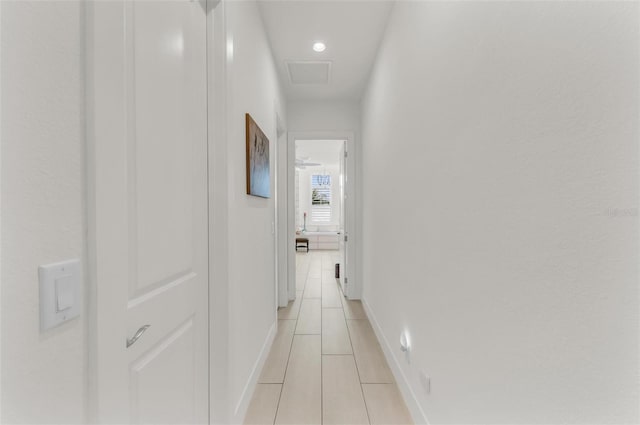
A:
65,293
59,293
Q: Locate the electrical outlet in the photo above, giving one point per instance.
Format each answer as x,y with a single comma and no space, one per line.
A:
426,382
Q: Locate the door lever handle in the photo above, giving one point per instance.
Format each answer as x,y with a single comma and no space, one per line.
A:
138,334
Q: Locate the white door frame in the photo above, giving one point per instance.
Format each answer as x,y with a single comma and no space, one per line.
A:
280,212
354,288
220,410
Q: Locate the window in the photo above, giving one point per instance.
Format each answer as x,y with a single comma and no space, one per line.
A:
320,198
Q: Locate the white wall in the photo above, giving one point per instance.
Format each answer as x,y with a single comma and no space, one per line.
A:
308,116
505,137
252,87
43,215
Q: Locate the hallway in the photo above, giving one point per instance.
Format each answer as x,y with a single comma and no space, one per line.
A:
325,366
159,158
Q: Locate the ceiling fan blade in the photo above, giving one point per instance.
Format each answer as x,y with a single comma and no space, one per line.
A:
303,163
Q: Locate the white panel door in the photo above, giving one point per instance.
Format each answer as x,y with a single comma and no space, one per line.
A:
148,106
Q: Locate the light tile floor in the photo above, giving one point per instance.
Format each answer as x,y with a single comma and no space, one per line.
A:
326,365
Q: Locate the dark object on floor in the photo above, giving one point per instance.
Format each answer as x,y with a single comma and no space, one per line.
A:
337,270
302,243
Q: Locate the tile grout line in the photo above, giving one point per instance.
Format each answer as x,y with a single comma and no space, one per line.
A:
284,378
288,358
321,342
366,407
297,317
352,355
343,306
321,350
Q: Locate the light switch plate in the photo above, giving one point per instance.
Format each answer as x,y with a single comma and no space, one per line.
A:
59,293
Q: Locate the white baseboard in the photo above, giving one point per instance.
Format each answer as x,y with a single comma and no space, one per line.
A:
418,415
245,398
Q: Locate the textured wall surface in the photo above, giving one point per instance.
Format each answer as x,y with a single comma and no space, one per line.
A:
43,373
504,137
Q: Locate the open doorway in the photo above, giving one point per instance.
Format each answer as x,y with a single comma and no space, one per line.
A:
330,237
329,223
319,214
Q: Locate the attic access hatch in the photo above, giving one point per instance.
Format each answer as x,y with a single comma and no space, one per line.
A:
309,72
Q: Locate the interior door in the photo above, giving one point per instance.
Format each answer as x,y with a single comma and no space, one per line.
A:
343,219
148,212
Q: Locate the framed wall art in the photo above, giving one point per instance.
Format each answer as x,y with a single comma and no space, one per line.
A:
258,175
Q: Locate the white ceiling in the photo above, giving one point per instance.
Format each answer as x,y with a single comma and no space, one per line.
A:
325,152
352,31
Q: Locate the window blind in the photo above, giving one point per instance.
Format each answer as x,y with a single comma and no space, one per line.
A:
320,198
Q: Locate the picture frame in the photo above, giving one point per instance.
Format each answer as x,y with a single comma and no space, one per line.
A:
258,172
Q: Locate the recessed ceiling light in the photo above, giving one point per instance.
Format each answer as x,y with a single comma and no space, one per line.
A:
319,46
